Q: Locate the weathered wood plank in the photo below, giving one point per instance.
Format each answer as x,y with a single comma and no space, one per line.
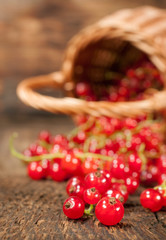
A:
33,210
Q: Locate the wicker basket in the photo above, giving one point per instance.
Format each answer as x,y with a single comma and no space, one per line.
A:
128,33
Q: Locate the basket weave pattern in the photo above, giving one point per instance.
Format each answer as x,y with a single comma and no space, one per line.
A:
128,33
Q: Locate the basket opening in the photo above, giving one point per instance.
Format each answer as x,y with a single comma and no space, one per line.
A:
103,64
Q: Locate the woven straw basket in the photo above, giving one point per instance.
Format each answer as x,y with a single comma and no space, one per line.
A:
119,38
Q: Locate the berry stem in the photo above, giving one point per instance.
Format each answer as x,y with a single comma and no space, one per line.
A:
24,158
83,127
89,210
94,155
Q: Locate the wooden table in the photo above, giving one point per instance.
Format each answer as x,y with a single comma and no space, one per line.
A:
33,39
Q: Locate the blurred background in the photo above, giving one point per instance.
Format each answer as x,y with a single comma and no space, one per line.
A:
33,38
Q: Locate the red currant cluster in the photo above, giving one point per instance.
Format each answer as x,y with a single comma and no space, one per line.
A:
105,160
125,87
95,189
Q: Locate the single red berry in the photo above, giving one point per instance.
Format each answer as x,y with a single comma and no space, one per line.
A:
27,152
117,123
131,184
77,190
134,162
37,150
108,129
162,191
56,172
82,89
91,195
70,163
134,144
60,140
121,188
74,207
107,174
114,193
151,199
45,163
90,165
161,178
117,168
35,171
109,211
45,136
80,137
161,164
97,180
129,123
73,182
153,143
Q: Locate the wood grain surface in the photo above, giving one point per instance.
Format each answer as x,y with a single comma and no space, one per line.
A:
33,38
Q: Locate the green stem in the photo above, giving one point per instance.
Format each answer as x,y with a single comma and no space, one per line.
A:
141,148
89,210
82,127
24,158
94,155
50,156
45,145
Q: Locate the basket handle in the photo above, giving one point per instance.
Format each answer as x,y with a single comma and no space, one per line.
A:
73,106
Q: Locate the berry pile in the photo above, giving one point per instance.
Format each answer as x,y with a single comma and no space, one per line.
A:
125,87
105,160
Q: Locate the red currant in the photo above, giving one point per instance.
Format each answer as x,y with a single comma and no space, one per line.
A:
45,136
80,137
35,171
134,162
56,172
131,184
91,195
74,207
70,163
83,89
121,188
109,211
151,199
77,190
73,182
114,193
97,180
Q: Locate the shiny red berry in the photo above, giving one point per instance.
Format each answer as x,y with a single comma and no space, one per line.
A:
117,168
77,190
60,140
161,178
121,188
73,182
90,165
91,195
134,162
37,150
82,89
151,199
109,211
70,163
97,180
114,193
80,137
74,207
56,172
45,136
35,171
131,184
162,191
